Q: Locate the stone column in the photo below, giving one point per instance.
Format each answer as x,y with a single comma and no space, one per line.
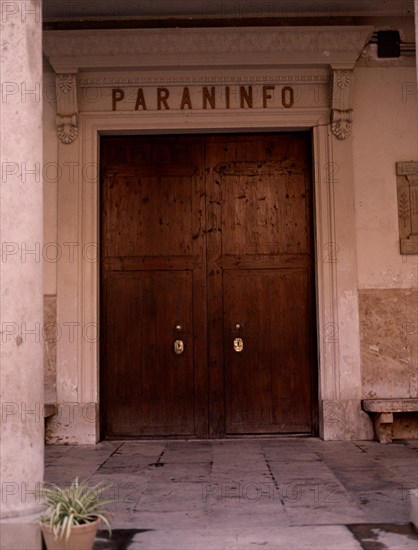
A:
21,228
416,30
413,495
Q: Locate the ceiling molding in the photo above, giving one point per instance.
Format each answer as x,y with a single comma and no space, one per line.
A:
226,9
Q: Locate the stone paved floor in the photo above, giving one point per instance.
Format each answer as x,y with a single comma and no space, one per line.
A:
289,494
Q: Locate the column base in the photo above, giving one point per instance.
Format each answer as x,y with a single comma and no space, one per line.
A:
413,507
21,533
74,424
344,420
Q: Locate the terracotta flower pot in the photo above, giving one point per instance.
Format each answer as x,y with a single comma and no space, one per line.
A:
81,537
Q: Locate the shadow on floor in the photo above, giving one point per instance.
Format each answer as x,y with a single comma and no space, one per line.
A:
382,536
121,539
371,536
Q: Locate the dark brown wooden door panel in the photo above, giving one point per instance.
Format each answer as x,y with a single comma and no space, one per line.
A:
153,273
266,390
207,233
158,210
147,306
260,273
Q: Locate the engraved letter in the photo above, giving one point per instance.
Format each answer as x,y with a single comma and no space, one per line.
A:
288,97
140,100
208,97
267,95
185,100
117,95
247,96
162,95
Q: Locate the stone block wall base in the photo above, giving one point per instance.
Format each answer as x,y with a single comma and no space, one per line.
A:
344,420
77,423
74,423
413,507
51,335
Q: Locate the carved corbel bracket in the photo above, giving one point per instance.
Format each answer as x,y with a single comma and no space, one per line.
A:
341,107
66,119
341,123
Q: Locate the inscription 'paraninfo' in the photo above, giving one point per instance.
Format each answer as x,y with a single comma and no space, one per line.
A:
204,97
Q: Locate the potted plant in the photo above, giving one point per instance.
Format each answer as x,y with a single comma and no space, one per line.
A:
73,514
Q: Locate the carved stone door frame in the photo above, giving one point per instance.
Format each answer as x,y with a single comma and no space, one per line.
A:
322,57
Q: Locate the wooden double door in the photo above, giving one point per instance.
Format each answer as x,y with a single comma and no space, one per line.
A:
207,286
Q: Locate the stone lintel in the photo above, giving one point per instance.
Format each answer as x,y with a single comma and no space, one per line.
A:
115,49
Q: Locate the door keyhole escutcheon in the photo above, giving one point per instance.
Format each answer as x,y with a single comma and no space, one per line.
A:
238,345
178,347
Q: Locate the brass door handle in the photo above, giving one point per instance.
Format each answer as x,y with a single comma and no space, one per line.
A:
238,342
178,344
